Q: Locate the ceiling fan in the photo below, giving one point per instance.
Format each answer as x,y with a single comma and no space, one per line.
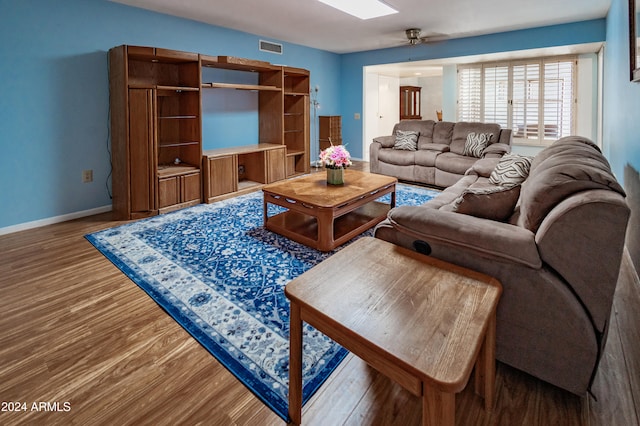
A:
413,36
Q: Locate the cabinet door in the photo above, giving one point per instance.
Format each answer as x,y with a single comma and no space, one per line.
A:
168,192
222,176
276,169
190,187
142,157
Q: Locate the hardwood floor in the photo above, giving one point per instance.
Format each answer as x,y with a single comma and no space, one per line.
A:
76,331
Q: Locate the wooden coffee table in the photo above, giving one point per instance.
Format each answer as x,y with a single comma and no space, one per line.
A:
420,321
325,216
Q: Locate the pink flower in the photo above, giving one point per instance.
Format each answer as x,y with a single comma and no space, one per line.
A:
335,157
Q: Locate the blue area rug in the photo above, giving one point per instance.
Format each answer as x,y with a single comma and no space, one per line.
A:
221,276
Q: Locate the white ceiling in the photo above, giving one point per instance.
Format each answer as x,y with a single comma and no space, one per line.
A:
314,24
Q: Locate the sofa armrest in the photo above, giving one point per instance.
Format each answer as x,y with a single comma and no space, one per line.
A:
437,147
490,238
496,150
386,141
483,167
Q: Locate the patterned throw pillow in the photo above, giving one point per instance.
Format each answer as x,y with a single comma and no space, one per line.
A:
496,203
512,169
407,140
476,143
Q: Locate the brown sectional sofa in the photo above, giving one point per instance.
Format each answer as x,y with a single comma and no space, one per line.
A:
439,159
556,250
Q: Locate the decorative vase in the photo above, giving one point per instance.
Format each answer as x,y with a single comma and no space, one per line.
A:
335,176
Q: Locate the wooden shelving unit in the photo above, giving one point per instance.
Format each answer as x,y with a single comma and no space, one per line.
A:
296,120
156,134
330,133
156,126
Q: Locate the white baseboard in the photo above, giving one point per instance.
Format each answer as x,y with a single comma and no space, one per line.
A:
51,220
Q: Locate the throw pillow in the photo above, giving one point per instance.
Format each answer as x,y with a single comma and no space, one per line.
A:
512,169
476,143
407,140
495,203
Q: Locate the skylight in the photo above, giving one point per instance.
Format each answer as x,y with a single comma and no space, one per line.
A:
363,9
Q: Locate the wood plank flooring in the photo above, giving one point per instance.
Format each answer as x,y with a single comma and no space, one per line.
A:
75,330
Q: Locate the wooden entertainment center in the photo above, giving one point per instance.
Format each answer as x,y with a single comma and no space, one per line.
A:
156,129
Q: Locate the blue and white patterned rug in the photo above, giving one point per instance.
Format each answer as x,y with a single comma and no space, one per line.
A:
221,276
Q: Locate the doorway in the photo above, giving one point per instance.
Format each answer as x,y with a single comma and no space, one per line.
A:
382,106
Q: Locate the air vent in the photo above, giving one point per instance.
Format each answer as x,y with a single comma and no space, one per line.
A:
269,46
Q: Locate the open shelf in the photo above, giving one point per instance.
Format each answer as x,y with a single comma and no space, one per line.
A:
177,143
235,63
239,86
246,184
169,170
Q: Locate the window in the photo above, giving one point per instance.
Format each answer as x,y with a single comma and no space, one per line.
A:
534,98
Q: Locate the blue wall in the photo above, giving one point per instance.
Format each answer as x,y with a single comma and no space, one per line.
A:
621,97
621,110
352,64
55,95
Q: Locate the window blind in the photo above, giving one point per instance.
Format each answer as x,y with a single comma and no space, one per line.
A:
535,98
469,94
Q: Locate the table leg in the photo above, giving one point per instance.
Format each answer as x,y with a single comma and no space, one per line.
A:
485,371
393,198
325,229
295,364
438,408
264,211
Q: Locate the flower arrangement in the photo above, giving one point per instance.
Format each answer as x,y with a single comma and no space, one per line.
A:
335,157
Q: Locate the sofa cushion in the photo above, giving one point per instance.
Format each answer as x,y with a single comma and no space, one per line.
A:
493,202
397,157
512,169
565,168
422,127
442,132
454,163
462,129
426,157
560,147
476,144
406,140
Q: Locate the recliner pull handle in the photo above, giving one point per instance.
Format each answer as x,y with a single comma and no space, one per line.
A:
422,247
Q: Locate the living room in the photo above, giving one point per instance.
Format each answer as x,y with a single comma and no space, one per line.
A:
55,113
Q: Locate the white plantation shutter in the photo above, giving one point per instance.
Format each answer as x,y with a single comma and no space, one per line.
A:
526,100
558,98
535,98
469,93
496,95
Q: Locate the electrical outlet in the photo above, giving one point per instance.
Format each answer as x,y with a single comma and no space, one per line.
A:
87,176
356,116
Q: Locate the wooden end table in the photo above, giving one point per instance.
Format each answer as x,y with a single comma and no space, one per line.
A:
420,321
324,216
